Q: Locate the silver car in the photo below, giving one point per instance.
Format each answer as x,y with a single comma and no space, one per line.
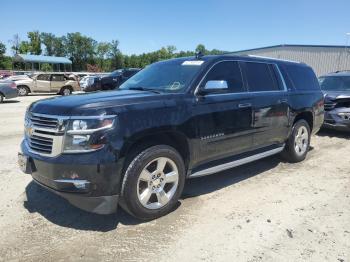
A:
59,83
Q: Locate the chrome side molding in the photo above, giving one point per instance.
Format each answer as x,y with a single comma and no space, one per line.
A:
236,163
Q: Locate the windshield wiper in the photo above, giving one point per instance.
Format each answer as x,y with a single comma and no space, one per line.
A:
140,88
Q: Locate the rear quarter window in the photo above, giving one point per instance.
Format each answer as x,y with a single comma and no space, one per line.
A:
300,77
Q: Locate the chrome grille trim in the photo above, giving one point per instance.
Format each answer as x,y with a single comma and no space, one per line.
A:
46,136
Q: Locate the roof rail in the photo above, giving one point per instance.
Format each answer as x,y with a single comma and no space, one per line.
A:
271,58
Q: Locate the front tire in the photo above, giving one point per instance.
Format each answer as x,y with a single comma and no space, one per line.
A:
22,90
153,182
298,144
1,98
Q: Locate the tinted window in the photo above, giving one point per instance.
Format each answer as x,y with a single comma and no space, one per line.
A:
129,73
229,72
43,77
302,77
168,76
335,83
57,78
260,77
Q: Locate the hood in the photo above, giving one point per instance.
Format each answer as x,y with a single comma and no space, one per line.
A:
96,103
332,95
23,81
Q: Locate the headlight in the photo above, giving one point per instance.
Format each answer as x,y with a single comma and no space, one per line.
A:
87,134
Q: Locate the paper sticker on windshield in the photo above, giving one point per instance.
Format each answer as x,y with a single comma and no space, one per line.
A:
193,63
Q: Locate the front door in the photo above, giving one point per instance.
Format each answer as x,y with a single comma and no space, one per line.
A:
42,83
270,103
224,120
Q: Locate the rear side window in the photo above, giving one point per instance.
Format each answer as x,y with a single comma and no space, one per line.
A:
301,77
230,72
260,77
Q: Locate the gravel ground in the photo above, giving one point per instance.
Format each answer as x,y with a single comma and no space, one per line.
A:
265,211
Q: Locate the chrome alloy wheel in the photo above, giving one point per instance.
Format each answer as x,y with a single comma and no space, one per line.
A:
157,183
22,91
301,140
66,92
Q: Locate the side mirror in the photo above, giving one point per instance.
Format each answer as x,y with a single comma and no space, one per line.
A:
214,86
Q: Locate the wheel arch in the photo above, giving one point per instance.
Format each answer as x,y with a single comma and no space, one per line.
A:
25,86
141,141
308,116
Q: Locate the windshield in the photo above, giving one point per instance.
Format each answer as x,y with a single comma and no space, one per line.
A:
169,76
335,83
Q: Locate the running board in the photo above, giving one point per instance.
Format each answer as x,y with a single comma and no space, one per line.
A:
236,163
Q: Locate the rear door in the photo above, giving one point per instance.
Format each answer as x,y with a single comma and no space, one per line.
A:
57,82
42,83
224,120
270,103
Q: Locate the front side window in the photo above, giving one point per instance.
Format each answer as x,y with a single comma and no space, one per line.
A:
230,72
260,77
167,76
335,83
43,77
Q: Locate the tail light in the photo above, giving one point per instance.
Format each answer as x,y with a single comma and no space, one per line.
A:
13,85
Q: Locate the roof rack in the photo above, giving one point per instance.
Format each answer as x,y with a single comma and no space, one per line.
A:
271,58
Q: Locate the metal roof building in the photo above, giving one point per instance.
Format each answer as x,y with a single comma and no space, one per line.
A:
322,58
35,62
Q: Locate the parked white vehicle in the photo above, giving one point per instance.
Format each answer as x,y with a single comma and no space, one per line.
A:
47,83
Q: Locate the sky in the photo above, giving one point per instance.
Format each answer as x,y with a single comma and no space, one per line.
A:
144,26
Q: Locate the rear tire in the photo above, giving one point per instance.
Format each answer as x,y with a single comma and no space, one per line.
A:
1,98
153,183
22,90
298,144
66,91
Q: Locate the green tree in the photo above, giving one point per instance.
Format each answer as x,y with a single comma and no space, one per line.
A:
117,58
201,48
102,50
48,39
24,47
46,67
34,42
15,42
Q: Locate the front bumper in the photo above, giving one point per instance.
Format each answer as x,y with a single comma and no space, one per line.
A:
83,179
334,121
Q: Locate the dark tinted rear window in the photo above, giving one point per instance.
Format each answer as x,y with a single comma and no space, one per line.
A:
260,77
301,77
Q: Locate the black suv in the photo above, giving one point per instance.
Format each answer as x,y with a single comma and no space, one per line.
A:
174,120
117,77
336,88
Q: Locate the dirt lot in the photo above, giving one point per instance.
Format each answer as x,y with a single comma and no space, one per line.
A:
264,211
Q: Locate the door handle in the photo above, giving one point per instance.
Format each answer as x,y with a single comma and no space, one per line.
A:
244,105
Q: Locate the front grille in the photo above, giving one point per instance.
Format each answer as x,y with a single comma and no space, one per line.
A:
40,144
43,122
44,133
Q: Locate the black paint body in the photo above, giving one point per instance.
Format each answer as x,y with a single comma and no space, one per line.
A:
205,129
